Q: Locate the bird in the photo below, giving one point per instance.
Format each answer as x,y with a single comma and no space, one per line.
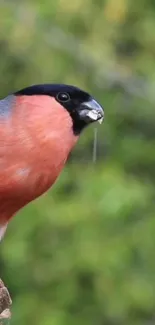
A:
39,127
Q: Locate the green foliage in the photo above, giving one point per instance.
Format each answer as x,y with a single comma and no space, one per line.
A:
83,254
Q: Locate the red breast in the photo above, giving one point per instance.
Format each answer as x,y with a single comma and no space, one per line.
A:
34,146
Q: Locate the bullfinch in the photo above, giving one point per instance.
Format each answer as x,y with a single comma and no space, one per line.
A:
39,126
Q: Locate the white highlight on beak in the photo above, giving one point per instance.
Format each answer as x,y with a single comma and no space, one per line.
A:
94,116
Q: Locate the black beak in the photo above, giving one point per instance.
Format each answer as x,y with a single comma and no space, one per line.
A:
91,111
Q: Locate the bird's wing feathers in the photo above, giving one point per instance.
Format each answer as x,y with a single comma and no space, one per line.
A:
6,105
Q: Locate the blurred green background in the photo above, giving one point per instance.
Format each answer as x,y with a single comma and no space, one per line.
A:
84,254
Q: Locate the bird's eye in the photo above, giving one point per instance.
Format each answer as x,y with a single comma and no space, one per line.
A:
63,97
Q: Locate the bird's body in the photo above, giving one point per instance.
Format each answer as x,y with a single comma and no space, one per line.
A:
37,132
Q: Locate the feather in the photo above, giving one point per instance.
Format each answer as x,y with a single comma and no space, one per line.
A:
2,230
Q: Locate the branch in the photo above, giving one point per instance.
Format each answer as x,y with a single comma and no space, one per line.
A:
5,303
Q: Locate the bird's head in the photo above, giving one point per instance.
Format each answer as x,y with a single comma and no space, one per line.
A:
81,106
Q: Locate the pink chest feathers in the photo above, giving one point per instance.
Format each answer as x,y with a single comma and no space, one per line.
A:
34,145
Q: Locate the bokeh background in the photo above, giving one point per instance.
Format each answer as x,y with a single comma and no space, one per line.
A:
84,254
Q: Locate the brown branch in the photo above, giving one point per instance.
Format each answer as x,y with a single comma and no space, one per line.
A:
5,303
